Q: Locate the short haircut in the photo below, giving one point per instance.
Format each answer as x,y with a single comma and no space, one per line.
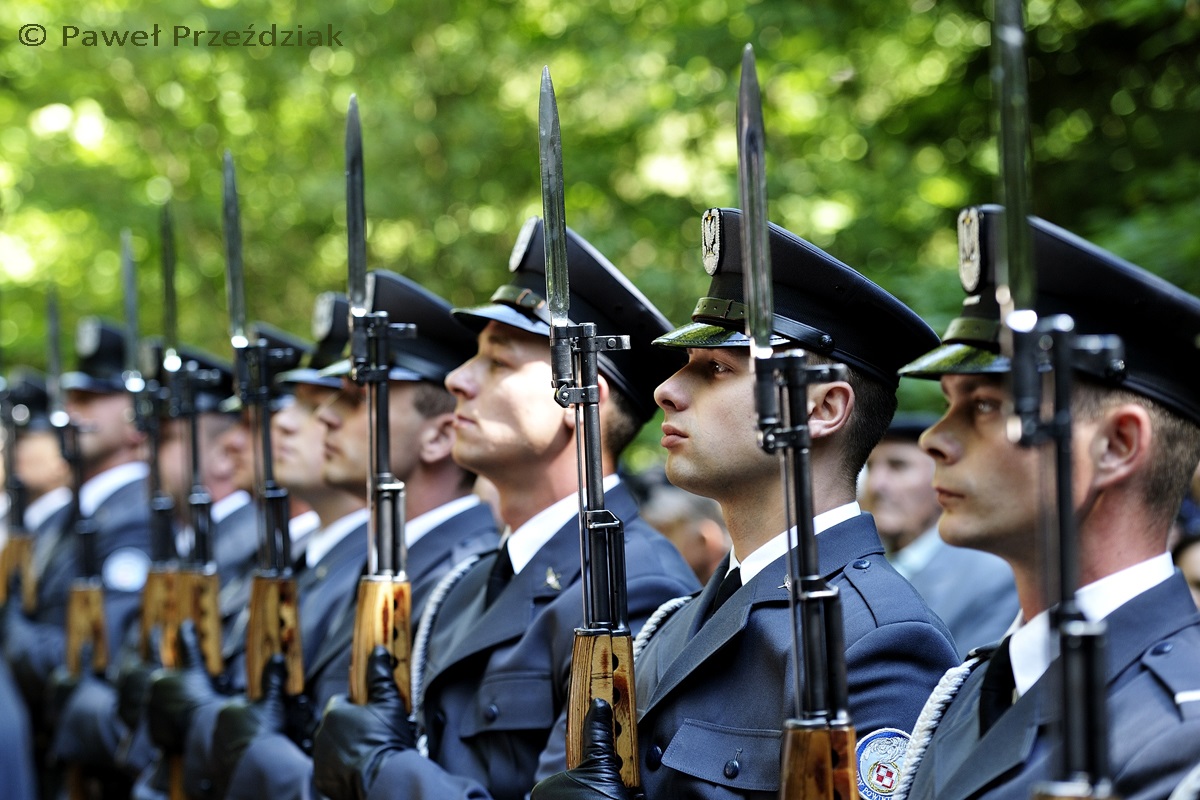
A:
874,406
1176,442
434,399
431,399
623,423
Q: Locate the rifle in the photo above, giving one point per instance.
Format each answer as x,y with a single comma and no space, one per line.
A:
602,656
274,626
384,605
818,741
161,594
17,556
198,581
1043,352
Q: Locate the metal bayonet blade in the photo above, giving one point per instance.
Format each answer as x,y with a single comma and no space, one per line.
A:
356,213
234,278
133,378
170,319
752,188
1015,279
558,294
54,361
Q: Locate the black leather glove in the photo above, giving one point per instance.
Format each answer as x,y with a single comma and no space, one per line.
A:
598,775
61,684
353,741
174,695
241,722
133,688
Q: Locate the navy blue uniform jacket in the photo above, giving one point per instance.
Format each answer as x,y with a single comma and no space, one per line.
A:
716,693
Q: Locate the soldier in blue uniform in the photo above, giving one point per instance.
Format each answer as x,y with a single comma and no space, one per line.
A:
446,523
493,679
1136,441
714,681
114,498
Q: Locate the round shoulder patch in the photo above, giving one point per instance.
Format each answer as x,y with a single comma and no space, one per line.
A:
880,757
125,570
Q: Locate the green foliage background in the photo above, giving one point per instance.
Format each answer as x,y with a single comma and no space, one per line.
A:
878,118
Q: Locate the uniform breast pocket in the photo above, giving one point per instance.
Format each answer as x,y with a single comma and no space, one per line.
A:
512,703
742,759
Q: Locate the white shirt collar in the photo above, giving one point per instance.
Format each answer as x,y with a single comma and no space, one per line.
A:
916,555
322,540
300,527
229,504
417,527
525,541
40,510
1031,647
97,489
776,547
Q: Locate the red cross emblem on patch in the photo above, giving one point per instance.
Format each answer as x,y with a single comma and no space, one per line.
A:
884,776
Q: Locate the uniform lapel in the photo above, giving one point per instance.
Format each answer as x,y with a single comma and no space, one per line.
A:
965,762
836,547
553,569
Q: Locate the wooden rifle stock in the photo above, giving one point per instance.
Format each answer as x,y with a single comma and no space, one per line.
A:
85,625
274,628
602,666
382,618
17,559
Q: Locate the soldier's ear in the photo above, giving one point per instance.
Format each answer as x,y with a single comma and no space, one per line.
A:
436,439
829,408
1120,444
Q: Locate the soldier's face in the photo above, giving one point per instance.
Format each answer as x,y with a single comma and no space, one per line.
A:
898,490
106,426
39,462
709,427
506,416
987,486
173,459
298,438
235,444
347,441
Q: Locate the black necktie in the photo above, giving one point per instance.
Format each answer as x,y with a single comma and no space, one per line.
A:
729,584
996,691
498,578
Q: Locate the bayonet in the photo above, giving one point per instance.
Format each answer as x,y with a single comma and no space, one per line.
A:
234,278
17,555
554,231
134,383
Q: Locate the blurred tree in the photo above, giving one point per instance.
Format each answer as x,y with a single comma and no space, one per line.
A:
878,115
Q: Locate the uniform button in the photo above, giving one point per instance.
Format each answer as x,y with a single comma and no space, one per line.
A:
862,563
491,713
1161,649
732,768
654,757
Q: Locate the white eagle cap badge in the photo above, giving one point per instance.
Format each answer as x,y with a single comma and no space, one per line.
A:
322,318
968,249
87,337
710,240
880,759
522,245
